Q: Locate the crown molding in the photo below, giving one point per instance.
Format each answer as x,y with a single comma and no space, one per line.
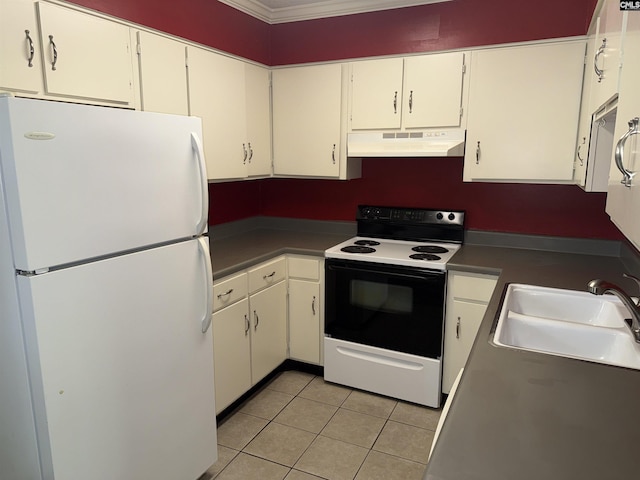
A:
317,9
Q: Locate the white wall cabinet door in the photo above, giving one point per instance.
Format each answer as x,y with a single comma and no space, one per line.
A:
623,202
231,353
523,113
268,310
432,93
258,118
85,56
217,95
376,94
307,120
19,47
163,74
304,320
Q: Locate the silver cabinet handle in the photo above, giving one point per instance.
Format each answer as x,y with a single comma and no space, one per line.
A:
313,305
478,152
264,277
250,152
580,159
410,101
333,154
395,102
31,49
228,292
627,175
599,72
55,52
256,322
458,328
247,325
244,149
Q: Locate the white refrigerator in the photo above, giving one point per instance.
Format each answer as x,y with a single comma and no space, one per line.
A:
106,361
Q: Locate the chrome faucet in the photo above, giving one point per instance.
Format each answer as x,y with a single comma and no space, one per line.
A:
600,287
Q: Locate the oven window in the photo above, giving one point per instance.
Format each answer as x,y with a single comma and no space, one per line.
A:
382,297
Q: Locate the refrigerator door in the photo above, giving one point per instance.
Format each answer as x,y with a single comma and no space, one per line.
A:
84,181
121,372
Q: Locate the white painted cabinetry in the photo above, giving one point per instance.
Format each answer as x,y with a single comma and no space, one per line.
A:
258,115
413,92
467,297
523,111
305,308
162,74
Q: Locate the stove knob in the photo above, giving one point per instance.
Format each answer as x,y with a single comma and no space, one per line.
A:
452,217
439,216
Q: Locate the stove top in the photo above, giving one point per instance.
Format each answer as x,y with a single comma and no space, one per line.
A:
395,252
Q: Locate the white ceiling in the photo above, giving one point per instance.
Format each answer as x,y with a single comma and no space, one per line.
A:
282,11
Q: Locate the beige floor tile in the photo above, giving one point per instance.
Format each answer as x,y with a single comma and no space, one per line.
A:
378,466
225,455
280,443
406,441
266,404
354,427
332,459
306,414
239,430
290,382
325,392
370,404
298,475
247,467
416,415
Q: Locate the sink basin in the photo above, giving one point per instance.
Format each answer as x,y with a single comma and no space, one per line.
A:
567,323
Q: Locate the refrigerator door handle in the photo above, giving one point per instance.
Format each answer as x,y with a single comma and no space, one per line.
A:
204,249
196,143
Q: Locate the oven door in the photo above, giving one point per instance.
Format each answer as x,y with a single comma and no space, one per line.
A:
391,307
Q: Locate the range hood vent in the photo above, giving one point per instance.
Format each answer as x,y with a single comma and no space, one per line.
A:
428,143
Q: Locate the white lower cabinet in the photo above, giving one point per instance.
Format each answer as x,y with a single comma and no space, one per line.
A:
305,308
467,297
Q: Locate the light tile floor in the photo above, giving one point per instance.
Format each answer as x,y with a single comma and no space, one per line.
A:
299,427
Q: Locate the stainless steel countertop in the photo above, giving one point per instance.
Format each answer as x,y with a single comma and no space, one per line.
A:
523,415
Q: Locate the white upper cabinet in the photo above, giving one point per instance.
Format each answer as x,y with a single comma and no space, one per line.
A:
523,113
308,120
85,56
415,92
21,69
258,114
163,74
623,198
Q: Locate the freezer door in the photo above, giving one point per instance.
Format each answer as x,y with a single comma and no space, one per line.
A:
121,371
83,181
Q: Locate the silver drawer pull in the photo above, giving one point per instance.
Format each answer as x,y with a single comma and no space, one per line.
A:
313,305
627,175
458,328
228,292
247,325
257,320
599,71
31,49
54,49
264,277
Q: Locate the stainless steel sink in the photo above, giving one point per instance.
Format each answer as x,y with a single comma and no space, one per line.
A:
567,323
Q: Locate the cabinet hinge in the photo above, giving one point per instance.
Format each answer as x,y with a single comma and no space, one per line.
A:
461,111
138,48
464,68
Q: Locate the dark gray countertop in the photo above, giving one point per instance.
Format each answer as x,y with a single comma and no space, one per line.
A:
522,415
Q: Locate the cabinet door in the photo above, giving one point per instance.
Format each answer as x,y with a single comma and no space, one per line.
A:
307,120
19,47
231,353
432,90
523,113
463,321
376,94
623,203
258,104
269,330
217,95
85,56
304,320
163,74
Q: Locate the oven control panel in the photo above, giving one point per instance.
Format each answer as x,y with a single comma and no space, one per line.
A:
410,215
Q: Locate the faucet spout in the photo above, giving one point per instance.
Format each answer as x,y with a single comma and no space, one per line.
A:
600,287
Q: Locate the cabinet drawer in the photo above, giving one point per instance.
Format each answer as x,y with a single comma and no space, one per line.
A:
472,286
267,274
229,290
304,267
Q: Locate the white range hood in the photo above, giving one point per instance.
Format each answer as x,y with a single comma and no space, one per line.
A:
426,143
